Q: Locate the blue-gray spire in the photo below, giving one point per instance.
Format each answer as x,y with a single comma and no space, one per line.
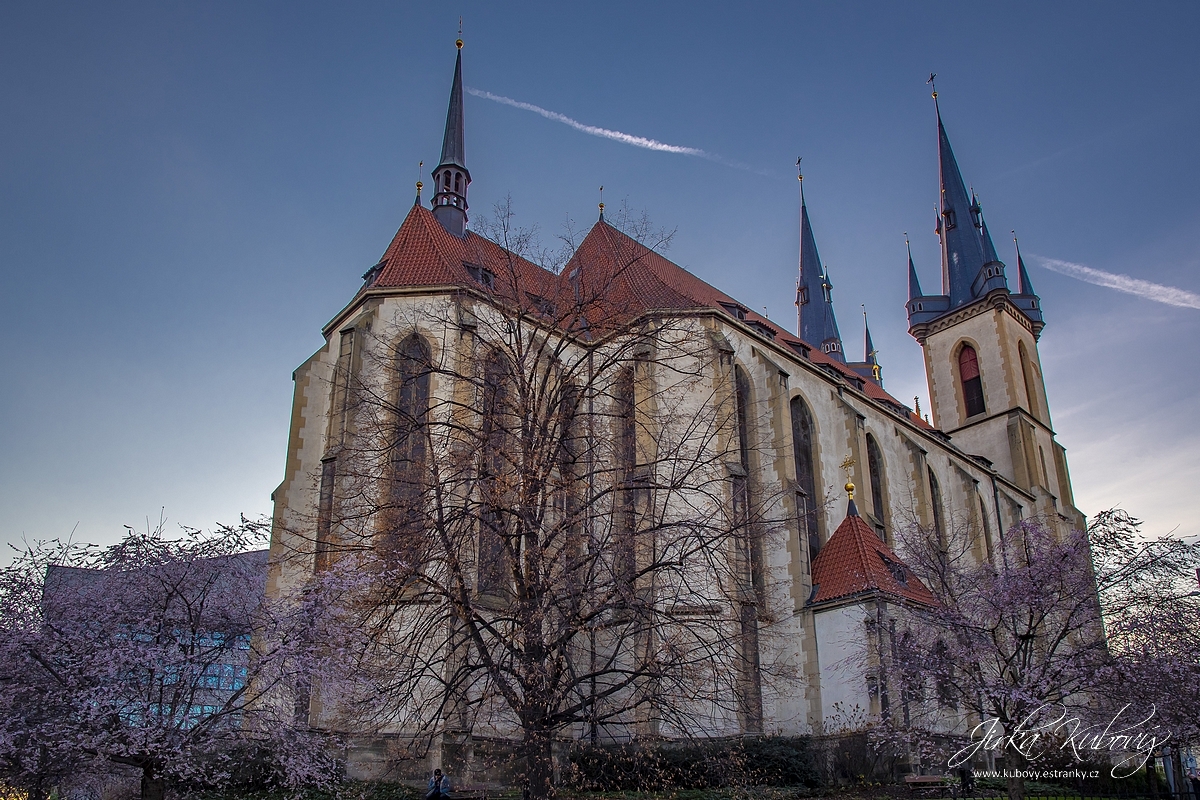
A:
962,251
871,355
991,275
451,177
921,307
914,283
1026,298
985,239
814,294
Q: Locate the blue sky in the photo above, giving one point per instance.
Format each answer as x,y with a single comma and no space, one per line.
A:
189,191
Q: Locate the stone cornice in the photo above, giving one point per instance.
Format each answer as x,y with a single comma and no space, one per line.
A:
997,299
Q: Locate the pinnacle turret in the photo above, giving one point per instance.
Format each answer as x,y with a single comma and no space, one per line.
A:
451,176
1026,298
816,323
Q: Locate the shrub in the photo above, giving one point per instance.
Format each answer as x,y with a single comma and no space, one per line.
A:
758,761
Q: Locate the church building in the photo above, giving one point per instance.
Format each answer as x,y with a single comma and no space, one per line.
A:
781,425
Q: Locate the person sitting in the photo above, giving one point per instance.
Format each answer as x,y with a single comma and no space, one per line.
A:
439,786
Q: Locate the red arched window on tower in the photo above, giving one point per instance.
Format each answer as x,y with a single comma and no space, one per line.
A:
968,372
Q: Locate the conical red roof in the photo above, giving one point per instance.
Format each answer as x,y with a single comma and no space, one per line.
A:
856,562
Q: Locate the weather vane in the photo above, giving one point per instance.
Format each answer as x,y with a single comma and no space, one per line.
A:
933,75
799,172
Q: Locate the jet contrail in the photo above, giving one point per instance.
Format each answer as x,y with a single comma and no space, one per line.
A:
1124,283
617,136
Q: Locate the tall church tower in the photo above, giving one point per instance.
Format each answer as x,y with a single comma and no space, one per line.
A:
981,356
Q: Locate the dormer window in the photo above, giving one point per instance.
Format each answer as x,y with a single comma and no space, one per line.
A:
541,305
763,329
802,296
482,276
949,215
736,311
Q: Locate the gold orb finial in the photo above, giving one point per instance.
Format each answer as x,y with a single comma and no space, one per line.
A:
458,43
850,489
419,185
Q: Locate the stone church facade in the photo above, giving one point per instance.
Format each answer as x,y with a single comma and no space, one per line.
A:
987,458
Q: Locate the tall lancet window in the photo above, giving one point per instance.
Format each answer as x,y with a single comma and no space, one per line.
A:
625,525
741,482
803,452
972,384
493,559
875,470
935,500
409,450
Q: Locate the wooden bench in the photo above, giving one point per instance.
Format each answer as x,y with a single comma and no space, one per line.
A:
915,782
466,793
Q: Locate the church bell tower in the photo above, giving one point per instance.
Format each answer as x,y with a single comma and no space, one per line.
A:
981,355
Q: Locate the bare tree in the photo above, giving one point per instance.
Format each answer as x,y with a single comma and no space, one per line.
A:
547,482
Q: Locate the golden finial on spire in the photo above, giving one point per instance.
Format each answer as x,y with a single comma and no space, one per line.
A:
458,42
846,466
601,202
799,171
933,75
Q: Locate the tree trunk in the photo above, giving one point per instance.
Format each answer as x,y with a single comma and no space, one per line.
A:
536,746
154,786
1014,763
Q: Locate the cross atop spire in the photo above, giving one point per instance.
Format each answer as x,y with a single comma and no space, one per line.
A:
451,177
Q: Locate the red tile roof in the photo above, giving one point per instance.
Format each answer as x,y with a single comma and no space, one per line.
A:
624,277
854,561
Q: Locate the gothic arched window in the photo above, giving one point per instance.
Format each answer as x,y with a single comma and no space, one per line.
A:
935,501
804,453
875,474
741,483
624,551
972,385
1027,377
493,563
409,444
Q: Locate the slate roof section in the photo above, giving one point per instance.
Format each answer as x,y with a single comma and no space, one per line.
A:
855,562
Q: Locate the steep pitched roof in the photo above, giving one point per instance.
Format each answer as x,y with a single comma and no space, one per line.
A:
625,278
855,562
423,253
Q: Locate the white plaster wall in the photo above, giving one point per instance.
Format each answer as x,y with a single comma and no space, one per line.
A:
800,653
841,647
